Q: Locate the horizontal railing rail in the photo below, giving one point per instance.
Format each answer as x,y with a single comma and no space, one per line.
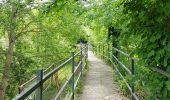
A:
113,56
52,66
41,78
161,72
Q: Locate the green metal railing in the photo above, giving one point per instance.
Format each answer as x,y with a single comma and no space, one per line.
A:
113,56
41,77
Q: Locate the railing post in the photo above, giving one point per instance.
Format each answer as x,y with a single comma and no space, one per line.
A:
99,51
103,51
39,77
132,75
92,48
72,54
52,77
112,56
20,89
118,57
81,65
87,49
85,59
108,49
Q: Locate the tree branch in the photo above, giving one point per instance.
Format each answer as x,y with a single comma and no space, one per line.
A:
24,32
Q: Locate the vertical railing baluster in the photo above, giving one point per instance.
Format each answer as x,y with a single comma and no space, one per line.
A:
39,77
108,49
85,59
86,56
72,54
96,50
81,64
20,89
52,77
118,57
87,49
112,56
132,76
99,51
101,48
103,51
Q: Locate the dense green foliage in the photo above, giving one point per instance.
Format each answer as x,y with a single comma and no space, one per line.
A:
150,19
47,32
44,34
144,27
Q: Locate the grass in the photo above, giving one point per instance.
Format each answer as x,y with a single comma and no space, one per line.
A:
63,75
56,82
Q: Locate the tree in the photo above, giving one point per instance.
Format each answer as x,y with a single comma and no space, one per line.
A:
39,34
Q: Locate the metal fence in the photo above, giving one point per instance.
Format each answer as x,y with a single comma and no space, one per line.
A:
113,56
77,63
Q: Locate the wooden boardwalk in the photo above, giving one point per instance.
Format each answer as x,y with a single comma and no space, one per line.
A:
99,83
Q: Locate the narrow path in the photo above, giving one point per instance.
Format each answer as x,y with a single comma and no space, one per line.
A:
99,82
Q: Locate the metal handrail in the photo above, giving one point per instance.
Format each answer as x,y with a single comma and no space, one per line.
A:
130,72
34,77
38,84
126,54
27,91
122,65
129,87
121,52
63,87
161,72
55,70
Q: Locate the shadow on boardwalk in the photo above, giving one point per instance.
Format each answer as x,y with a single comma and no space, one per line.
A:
99,82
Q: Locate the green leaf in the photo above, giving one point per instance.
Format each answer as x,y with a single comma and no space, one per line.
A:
157,57
165,61
164,92
151,53
158,36
168,85
153,38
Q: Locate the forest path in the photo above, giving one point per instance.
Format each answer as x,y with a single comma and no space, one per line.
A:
99,83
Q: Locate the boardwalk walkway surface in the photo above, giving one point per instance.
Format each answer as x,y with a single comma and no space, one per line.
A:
99,82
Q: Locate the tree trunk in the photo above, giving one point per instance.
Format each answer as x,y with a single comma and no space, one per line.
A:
6,69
